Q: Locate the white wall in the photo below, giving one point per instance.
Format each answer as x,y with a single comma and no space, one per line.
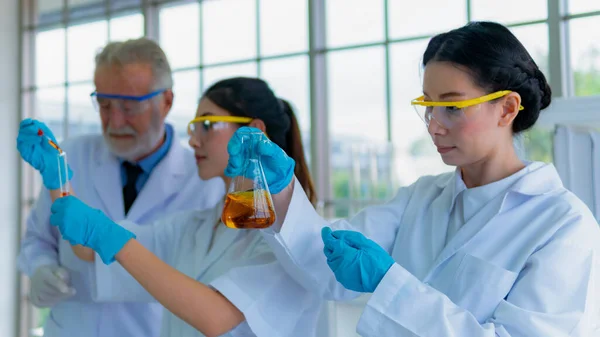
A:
9,163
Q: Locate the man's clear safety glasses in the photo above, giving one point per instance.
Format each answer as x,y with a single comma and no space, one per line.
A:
451,114
128,105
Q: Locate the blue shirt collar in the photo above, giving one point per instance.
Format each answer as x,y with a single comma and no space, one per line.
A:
147,164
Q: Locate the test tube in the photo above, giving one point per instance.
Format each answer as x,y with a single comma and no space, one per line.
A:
63,175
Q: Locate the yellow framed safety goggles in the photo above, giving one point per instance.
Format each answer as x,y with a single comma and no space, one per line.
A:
451,114
201,125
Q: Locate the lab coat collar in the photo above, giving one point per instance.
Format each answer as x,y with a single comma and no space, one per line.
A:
222,238
165,176
544,175
540,179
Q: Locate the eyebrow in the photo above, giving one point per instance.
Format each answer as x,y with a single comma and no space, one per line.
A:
206,114
449,94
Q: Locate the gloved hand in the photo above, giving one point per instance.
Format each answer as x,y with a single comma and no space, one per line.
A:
35,150
82,225
50,285
278,167
358,263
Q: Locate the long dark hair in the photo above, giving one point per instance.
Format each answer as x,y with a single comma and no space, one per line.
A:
497,61
252,97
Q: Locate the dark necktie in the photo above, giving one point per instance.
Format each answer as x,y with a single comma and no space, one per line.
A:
132,172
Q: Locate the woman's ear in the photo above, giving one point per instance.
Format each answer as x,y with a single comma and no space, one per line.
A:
510,109
259,124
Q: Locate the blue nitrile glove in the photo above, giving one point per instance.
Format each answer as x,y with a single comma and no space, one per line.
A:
35,150
278,166
82,225
358,263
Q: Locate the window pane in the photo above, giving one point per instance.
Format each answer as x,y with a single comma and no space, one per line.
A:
50,109
509,11
288,77
584,37
356,87
412,143
283,26
83,8
228,30
126,27
83,118
583,6
352,22
48,11
180,35
425,17
535,40
119,4
50,57
357,107
84,41
214,74
538,144
186,87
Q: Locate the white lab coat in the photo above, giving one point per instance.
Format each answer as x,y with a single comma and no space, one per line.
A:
173,186
526,264
238,263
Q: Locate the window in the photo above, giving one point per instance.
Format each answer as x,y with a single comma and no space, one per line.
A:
228,30
186,87
283,27
50,57
351,22
582,6
180,35
584,38
357,107
509,11
125,27
83,42
407,19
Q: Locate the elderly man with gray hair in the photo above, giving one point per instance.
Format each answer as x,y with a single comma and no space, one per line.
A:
139,171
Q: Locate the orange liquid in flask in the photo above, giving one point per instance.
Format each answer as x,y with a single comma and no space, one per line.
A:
244,210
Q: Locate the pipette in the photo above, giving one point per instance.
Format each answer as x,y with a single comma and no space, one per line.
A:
63,175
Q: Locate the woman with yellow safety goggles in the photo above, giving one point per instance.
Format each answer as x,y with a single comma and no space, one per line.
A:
496,248
213,280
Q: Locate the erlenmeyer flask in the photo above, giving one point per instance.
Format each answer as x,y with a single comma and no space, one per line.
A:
248,203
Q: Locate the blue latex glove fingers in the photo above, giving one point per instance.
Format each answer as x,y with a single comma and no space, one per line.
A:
280,166
68,214
277,165
34,148
82,225
328,241
237,157
357,262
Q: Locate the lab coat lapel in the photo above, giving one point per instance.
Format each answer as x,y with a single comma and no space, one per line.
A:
468,231
107,182
541,179
439,218
165,180
220,243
